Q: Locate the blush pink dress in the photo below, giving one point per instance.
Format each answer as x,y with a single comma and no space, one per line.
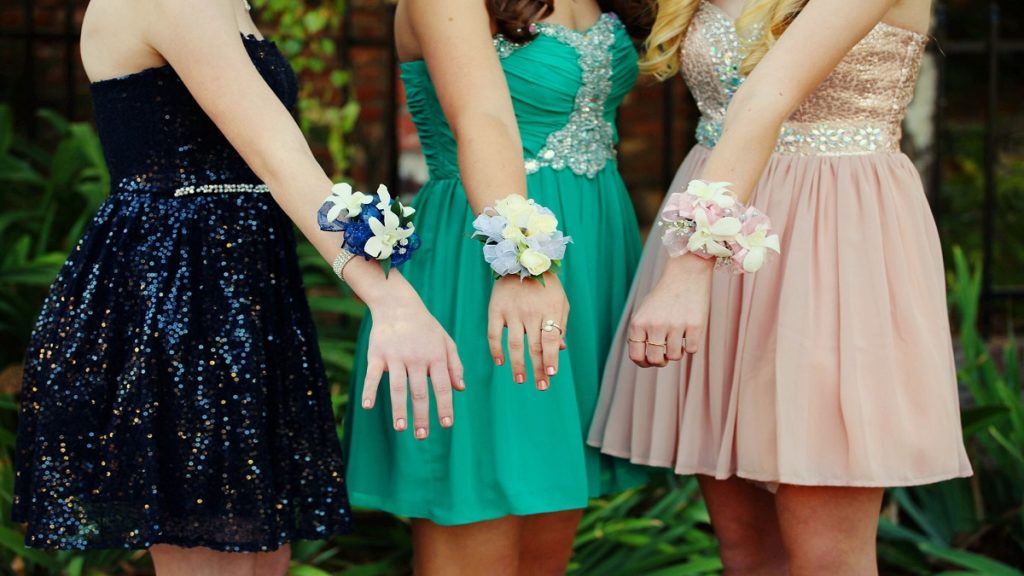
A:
833,365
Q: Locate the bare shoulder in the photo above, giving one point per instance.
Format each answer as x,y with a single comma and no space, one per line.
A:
113,39
407,46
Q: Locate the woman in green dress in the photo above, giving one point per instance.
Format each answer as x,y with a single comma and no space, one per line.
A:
509,97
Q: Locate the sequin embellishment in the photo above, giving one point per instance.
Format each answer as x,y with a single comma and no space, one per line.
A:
587,142
823,139
222,189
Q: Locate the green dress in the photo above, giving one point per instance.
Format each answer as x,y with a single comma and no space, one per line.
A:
514,449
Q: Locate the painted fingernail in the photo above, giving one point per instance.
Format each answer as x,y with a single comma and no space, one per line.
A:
367,404
462,384
520,378
421,433
446,421
499,361
542,385
551,370
400,424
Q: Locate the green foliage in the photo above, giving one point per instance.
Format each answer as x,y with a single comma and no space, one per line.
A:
303,30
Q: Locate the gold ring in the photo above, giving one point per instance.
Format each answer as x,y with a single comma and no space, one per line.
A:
661,344
637,340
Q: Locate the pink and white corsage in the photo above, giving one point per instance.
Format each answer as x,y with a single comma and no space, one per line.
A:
708,220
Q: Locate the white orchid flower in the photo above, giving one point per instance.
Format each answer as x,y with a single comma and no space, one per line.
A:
757,244
385,198
709,237
408,210
344,199
714,192
386,235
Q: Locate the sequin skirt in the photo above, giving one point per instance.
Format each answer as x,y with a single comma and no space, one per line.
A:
174,391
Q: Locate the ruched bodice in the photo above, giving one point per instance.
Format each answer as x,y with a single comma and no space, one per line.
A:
857,109
566,86
157,139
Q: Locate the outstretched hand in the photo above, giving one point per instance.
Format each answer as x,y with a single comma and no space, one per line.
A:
541,312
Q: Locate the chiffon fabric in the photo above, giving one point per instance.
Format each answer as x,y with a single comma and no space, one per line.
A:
513,450
832,365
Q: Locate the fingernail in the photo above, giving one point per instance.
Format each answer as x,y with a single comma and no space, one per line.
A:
520,378
421,433
499,361
462,384
542,385
446,421
551,370
400,424
367,404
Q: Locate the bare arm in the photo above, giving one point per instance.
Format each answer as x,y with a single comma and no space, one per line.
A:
454,36
817,40
200,40
455,39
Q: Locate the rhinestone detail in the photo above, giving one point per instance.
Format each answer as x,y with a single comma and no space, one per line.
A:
587,142
822,139
221,189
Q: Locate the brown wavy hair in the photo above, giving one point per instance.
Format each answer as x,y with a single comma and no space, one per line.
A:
513,17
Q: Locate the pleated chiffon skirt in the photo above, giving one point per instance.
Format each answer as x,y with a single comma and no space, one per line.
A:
832,366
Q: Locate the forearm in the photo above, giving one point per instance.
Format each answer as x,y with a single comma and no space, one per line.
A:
490,161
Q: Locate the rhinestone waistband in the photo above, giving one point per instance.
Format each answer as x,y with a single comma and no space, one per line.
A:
221,189
820,138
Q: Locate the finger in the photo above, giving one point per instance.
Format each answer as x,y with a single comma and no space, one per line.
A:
399,411
655,347
516,351
420,401
565,325
495,328
674,350
637,338
441,380
534,333
550,340
694,338
374,372
456,372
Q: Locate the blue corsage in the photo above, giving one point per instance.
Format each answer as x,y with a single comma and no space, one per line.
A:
376,226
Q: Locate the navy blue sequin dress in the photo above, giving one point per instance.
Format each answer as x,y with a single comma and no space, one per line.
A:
173,390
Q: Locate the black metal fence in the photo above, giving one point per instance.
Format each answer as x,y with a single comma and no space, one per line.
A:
21,40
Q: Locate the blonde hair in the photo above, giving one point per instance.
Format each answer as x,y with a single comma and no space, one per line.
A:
759,26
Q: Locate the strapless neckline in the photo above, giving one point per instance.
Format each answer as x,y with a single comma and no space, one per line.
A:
251,38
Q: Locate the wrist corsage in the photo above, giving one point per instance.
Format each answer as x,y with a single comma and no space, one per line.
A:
708,220
376,226
520,238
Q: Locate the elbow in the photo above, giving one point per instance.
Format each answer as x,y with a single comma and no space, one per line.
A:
467,126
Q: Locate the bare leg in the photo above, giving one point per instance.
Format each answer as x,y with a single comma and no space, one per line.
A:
546,543
273,563
490,548
177,561
744,519
830,530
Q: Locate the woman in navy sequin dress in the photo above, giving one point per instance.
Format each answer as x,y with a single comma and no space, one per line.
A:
174,395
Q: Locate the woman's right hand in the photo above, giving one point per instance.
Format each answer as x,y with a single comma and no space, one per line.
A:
408,343
524,307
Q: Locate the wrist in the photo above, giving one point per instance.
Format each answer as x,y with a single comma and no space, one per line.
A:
688,265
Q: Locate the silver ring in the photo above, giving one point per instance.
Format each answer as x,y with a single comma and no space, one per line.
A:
551,326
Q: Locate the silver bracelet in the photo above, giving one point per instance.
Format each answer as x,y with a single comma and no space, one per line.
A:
340,261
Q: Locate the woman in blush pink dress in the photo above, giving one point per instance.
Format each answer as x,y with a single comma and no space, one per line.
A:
828,374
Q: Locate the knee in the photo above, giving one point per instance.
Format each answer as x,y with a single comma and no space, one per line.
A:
745,549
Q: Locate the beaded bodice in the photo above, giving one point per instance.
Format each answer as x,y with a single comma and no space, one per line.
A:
157,139
857,109
566,87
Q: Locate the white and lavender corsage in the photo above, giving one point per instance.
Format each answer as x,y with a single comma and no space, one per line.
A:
520,238
708,220
376,226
